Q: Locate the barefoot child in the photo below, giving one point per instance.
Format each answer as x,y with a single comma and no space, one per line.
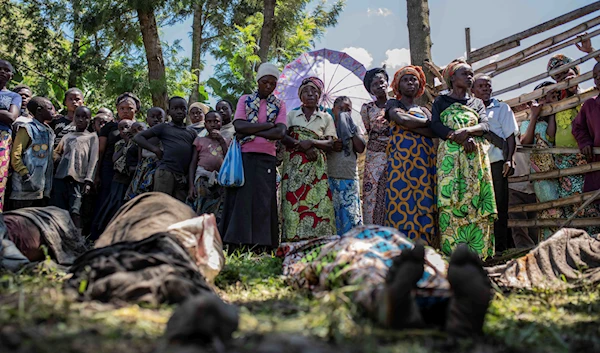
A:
77,156
207,158
342,168
143,178
64,124
10,107
177,140
31,157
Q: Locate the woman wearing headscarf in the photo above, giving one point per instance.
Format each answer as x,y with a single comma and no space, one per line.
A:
196,113
306,205
410,192
466,203
378,130
250,212
573,184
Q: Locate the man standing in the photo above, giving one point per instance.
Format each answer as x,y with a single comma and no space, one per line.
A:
503,131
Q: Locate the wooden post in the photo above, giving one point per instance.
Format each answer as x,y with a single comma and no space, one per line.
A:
559,106
484,52
566,201
548,42
419,37
468,42
557,173
550,73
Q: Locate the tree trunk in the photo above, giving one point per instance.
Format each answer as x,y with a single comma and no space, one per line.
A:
266,33
196,51
74,59
418,36
154,56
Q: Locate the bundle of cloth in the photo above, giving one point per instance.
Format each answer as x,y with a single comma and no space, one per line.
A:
24,233
154,250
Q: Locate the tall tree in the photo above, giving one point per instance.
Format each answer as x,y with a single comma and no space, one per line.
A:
419,36
266,33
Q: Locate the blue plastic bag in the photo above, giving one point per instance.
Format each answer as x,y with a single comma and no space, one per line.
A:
231,174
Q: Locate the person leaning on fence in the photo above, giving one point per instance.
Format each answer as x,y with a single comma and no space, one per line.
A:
250,212
503,129
572,184
586,130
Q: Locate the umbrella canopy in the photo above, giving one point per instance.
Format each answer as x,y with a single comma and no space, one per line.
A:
341,74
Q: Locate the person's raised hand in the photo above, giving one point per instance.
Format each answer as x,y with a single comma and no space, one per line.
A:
215,135
536,110
585,45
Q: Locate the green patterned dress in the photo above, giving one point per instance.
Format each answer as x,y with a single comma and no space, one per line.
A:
466,202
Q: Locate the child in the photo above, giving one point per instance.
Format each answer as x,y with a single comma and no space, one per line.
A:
177,140
342,168
10,107
26,94
121,177
77,156
207,158
143,178
31,157
64,124
98,122
197,113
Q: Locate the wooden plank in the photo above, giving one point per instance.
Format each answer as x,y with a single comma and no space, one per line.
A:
566,201
528,97
548,42
557,173
498,50
468,42
485,51
578,39
553,150
549,73
559,106
554,222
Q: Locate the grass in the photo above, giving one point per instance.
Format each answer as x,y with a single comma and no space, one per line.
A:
36,315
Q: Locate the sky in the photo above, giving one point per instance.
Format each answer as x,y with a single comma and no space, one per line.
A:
374,32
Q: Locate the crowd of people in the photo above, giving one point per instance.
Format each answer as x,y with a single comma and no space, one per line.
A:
439,176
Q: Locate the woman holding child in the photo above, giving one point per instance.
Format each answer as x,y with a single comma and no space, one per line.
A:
250,212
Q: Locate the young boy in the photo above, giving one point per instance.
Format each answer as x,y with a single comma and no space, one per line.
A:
10,107
143,178
64,124
204,192
31,157
176,140
26,94
77,156
342,168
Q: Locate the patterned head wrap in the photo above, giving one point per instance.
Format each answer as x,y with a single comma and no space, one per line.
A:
203,107
314,82
559,60
370,75
451,69
409,70
128,96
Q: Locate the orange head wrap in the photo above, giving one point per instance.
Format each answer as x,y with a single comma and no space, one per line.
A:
409,70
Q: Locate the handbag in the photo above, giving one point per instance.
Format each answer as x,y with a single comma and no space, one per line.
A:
231,174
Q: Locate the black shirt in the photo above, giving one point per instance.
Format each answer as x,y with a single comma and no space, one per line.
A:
177,142
442,102
61,127
111,132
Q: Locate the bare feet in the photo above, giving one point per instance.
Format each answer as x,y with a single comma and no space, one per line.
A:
472,294
401,310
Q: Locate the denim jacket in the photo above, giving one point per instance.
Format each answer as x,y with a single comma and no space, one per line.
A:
38,160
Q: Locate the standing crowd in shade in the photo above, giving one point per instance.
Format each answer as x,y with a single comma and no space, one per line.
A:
438,175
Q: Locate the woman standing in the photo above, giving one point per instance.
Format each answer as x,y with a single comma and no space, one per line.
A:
378,130
250,212
410,192
306,205
466,203
196,113
540,131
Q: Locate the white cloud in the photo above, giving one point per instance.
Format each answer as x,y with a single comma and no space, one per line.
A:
382,11
360,54
396,58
